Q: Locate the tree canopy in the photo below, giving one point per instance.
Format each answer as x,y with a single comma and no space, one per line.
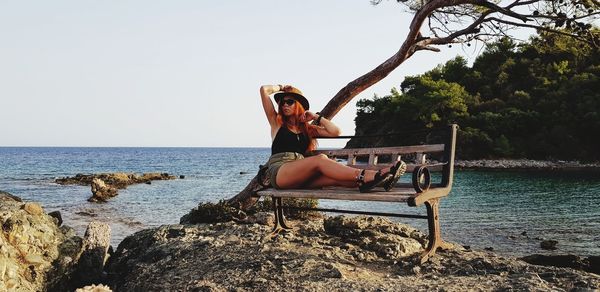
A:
445,22
539,99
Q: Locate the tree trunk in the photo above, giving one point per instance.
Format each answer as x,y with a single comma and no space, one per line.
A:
246,198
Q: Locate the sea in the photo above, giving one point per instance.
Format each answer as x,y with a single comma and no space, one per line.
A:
509,211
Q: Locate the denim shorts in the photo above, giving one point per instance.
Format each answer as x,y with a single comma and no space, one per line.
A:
276,161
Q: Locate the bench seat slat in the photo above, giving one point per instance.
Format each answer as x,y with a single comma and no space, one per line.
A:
385,150
409,167
396,195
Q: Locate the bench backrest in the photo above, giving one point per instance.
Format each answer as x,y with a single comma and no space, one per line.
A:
381,157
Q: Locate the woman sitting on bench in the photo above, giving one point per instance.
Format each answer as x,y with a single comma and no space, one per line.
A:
292,136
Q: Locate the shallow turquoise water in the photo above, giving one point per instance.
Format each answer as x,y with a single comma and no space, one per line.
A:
485,209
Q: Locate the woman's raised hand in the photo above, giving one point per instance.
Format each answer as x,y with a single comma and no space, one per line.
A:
287,88
308,116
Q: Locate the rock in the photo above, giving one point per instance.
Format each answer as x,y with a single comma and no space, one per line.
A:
8,196
389,240
263,218
94,288
243,172
101,192
594,264
524,233
56,215
32,208
489,248
111,181
182,176
548,244
88,212
152,176
90,265
227,257
31,247
117,180
563,261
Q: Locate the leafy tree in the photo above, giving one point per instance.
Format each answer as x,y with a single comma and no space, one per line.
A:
539,99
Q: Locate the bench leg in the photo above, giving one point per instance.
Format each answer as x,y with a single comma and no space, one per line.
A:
435,237
279,218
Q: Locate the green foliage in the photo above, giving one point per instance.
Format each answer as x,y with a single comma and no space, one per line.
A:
537,100
212,213
223,212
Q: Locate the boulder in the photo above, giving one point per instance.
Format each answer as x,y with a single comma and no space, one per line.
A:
101,192
32,208
548,244
90,265
56,215
589,264
10,197
377,234
30,244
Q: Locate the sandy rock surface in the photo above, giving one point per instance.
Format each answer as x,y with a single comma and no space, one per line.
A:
30,243
334,254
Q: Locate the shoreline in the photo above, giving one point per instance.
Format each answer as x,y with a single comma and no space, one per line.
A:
526,164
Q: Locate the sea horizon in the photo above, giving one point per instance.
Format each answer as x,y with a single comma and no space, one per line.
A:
242,147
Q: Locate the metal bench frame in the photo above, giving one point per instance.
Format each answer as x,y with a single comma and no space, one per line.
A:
401,193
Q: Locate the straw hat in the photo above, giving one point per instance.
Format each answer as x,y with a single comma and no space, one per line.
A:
294,93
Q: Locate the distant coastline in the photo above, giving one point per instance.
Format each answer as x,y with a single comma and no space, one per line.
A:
526,164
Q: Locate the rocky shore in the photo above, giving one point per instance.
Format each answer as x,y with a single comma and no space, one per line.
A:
330,254
321,254
38,254
526,164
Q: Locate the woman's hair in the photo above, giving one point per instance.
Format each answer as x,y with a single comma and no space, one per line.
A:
309,130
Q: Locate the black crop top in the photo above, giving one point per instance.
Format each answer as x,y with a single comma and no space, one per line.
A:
288,141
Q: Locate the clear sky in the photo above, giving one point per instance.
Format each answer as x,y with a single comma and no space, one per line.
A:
185,73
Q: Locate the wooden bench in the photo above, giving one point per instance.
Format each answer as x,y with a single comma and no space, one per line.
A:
414,194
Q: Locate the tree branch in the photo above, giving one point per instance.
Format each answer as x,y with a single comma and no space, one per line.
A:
406,50
501,10
468,30
591,42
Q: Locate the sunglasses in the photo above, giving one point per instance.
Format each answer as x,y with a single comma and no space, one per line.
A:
288,102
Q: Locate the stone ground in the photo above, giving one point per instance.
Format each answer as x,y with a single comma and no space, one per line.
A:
330,254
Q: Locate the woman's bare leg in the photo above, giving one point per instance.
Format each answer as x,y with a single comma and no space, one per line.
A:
323,181
297,173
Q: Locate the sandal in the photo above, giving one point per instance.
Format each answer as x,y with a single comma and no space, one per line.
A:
397,170
379,179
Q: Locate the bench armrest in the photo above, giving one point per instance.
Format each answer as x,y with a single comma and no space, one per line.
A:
421,198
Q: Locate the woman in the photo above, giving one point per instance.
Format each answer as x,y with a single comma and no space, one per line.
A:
292,136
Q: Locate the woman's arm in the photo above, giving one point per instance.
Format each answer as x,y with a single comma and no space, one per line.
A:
326,128
265,92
